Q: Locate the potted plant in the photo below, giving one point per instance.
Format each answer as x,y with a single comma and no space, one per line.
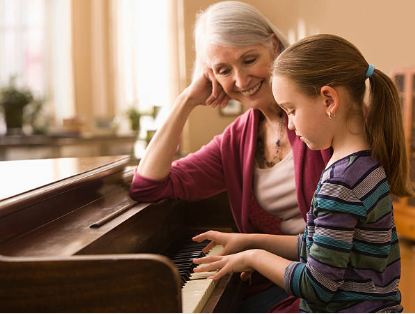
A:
13,100
134,116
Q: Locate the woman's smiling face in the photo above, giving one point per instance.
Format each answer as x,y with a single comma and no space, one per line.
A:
243,73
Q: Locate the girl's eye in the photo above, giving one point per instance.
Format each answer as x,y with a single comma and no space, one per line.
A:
291,112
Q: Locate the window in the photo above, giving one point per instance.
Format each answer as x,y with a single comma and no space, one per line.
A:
23,43
39,46
142,56
35,49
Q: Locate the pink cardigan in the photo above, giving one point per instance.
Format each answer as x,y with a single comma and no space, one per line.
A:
227,163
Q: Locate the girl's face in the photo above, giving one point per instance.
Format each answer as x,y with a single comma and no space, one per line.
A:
307,116
244,73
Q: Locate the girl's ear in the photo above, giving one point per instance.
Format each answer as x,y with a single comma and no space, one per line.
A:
331,100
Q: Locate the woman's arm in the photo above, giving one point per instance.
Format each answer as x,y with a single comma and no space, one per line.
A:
159,154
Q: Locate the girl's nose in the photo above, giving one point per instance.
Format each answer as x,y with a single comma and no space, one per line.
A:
291,125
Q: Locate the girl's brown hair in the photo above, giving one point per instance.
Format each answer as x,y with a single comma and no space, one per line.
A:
329,60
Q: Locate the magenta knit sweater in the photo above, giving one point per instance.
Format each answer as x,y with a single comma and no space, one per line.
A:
227,163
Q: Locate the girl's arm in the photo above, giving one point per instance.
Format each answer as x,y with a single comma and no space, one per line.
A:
268,264
282,245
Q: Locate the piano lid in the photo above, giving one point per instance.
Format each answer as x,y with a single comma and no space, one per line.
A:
84,182
21,176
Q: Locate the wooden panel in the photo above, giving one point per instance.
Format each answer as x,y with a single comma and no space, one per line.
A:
405,221
27,211
111,283
406,285
405,207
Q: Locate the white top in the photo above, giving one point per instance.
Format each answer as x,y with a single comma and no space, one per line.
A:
275,192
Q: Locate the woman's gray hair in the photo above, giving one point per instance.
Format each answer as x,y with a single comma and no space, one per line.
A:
235,24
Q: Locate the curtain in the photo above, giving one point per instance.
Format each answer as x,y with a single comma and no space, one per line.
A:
148,59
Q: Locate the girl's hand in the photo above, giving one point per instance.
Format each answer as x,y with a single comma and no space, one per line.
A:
231,242
205,90
235,263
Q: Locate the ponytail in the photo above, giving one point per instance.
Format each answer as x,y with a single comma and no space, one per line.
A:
384,131
329,60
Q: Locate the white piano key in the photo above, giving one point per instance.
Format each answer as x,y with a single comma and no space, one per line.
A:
196,291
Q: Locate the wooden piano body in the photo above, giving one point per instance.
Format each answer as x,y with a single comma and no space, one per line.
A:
78,243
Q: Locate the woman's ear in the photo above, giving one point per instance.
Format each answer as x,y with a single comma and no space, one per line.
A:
331,100
275,45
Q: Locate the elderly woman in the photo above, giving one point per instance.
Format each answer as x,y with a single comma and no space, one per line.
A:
268,173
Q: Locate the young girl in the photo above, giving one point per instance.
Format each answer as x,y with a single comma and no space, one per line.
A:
349,258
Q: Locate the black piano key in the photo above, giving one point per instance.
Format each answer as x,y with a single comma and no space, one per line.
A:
182,254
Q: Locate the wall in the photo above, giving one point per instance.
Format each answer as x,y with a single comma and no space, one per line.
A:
381,29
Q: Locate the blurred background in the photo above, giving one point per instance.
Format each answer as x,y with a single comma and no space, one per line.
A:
97,77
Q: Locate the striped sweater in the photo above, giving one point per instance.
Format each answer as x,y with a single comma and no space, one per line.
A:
349,252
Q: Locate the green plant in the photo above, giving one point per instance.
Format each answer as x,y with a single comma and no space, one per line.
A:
13,101
134,116
13,96
35,117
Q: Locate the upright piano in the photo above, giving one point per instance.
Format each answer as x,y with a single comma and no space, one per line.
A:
72,240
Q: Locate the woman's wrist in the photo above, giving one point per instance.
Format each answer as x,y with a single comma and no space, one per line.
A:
185,102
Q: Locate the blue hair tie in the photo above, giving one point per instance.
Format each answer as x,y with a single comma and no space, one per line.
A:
370,71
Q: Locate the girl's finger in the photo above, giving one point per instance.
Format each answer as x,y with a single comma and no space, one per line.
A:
245,275
208,247
207,259
208,267
200,237
208,235
222,272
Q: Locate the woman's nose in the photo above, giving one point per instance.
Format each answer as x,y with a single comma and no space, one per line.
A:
241,78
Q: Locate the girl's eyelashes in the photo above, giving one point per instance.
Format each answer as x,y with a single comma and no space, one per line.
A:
288,111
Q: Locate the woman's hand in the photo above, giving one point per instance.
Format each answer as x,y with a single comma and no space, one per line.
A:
205,90
231,242
235,263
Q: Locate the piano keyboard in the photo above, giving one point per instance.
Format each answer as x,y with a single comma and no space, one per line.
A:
196,287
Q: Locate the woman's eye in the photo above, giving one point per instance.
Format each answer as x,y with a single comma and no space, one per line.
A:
249,61
223,71
290,112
